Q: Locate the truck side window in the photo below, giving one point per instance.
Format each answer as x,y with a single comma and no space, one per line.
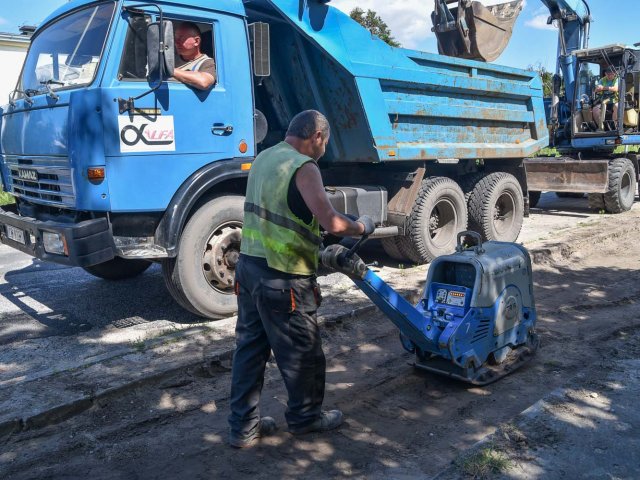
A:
206,42
133,64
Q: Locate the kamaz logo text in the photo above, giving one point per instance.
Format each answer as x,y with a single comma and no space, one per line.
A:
30,175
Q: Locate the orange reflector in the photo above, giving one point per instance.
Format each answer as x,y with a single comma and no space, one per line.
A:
245,166
65,246
95,173
243,147
392,153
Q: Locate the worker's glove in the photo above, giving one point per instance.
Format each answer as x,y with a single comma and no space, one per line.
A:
369,226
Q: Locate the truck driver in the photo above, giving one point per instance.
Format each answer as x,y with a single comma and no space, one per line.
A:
195,68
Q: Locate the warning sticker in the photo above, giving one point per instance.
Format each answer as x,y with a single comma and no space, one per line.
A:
144,134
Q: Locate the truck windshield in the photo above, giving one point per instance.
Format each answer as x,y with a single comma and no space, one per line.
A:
67,52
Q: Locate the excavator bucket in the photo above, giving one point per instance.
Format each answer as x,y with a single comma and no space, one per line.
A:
472,30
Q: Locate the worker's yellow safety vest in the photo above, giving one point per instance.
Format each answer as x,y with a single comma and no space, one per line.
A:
271,230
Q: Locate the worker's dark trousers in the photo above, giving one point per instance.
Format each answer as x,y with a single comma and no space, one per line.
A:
276,311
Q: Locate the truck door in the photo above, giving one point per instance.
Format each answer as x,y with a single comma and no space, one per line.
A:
177,129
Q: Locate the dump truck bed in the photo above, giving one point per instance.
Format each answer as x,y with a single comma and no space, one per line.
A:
392,104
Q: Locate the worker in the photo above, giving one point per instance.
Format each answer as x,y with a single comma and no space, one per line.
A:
196,68
606,94
278,295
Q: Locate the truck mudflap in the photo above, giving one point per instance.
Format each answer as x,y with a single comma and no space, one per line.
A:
85,243
567,175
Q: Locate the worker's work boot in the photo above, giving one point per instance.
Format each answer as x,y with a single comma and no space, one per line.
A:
266,426
327,421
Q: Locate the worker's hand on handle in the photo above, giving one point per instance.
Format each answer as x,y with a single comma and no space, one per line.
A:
368,225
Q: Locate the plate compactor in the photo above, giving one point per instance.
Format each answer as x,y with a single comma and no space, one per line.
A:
476,319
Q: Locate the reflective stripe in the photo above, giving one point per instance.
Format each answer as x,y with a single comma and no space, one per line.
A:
281,222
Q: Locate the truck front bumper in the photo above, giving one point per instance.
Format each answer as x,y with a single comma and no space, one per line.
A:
81,244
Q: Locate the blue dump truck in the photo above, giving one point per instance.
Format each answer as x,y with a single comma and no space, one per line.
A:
115,165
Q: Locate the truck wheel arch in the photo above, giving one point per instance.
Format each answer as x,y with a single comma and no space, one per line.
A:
212,179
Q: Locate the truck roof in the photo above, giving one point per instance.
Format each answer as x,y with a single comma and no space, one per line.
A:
230,6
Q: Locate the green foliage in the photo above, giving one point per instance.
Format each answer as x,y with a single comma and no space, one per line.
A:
485,462
546,76
372,22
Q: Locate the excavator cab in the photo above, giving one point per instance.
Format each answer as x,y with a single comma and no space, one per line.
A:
591,66
472,30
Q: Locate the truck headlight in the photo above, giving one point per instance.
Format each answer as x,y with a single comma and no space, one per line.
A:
54,243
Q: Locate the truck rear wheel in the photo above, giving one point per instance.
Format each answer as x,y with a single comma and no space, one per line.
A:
118,268
392,248
622,186
496,207
201,277
596,201
439,214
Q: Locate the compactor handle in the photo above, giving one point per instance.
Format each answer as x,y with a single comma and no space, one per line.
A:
468,233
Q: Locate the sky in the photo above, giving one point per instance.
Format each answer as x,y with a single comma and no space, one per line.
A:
533,41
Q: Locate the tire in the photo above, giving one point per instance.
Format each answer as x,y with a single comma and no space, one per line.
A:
438,215
621,192
534,198
118,268
201,277
596,201
392,248
569,194
496,207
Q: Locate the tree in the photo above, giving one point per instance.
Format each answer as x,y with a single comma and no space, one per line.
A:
372,22
546,76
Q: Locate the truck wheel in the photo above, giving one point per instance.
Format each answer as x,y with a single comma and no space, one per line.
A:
622,186
534,198
201,277
496,207
596,201
440,212
569,194
392,248
118,268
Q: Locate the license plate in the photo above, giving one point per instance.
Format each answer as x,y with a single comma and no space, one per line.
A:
28,174
15,234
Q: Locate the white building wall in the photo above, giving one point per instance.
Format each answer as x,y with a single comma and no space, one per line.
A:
11,59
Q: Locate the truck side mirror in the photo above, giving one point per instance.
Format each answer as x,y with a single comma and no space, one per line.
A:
260,49
160,51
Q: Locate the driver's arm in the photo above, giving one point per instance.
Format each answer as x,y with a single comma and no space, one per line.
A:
199,80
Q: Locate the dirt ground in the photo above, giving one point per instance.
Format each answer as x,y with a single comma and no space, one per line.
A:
400,423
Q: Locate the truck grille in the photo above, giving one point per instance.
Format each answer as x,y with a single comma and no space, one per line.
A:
53,184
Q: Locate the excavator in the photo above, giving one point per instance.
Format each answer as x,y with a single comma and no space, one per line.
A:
592,141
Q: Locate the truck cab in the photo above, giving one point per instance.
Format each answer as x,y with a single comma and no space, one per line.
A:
94,183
